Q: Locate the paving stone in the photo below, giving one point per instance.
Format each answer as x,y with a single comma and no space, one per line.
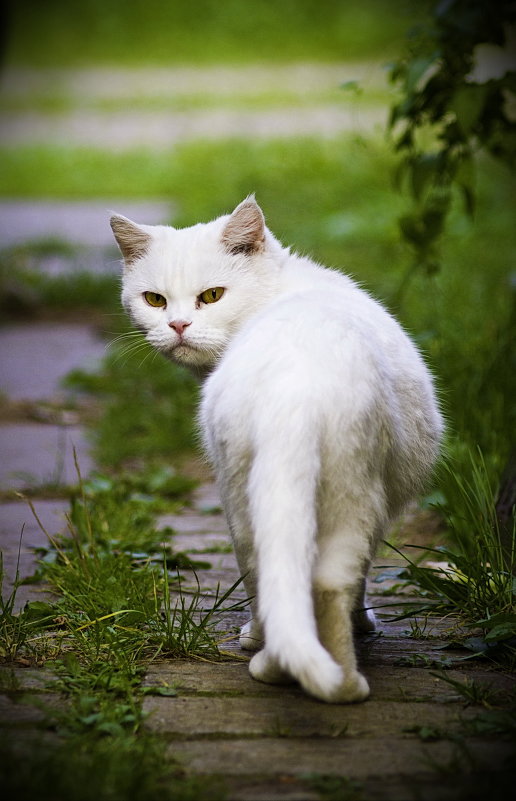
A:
17,712
35,455
195,523
207,497
35,358
352,758
289,712
410,684
286,788
16,679
78,222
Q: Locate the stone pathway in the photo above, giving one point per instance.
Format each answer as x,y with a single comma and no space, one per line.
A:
269,742
34,358
82,224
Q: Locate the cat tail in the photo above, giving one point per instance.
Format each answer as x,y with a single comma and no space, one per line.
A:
282,494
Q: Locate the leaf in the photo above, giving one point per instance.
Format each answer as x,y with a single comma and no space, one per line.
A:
468,103
112,728
38,610
351,86
164,690
416,70
391,573
502,632
476,644
465,179
423,169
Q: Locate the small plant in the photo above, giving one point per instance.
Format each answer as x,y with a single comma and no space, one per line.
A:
19,630
335,788
473,692
118,608
473,577
148,404
418,628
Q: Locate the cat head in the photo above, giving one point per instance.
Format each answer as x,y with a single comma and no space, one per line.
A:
189,290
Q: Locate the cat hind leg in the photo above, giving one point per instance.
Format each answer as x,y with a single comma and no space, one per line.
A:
364,620
264,667
251,636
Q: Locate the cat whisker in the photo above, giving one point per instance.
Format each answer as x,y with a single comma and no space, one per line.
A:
132,335
150,353
129,350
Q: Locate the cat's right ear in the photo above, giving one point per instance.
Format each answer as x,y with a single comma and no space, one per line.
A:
132,240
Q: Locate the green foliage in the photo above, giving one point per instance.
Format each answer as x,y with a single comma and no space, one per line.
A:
25,289
116,608
148,405
164,32
473,576
110,768
18,629
450,108
335,788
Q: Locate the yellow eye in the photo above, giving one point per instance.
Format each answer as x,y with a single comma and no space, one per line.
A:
212,295
153,299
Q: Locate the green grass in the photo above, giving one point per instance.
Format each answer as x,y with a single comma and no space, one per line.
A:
119,605
473,576
148,406
161,32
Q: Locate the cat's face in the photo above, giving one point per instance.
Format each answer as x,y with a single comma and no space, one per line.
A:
189,290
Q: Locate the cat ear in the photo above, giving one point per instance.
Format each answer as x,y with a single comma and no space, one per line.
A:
132,240
244,232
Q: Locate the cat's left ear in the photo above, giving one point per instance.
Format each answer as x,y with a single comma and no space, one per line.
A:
132,240
244,232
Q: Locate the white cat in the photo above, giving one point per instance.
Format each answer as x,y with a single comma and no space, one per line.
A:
317,413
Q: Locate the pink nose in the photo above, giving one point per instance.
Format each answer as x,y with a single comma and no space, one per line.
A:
179,326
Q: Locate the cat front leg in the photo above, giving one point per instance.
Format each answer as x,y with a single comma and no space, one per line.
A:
251,634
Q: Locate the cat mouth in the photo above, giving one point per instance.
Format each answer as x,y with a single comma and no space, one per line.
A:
182,347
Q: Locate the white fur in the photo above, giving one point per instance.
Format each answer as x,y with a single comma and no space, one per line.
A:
320,419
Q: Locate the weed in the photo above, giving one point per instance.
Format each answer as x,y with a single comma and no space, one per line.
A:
474,692
18,631
148,406
418,630
111,767
426,733
115,611
473,578
335,788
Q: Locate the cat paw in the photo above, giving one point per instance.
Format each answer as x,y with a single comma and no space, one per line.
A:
353,689
264,667
251,636
364,621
